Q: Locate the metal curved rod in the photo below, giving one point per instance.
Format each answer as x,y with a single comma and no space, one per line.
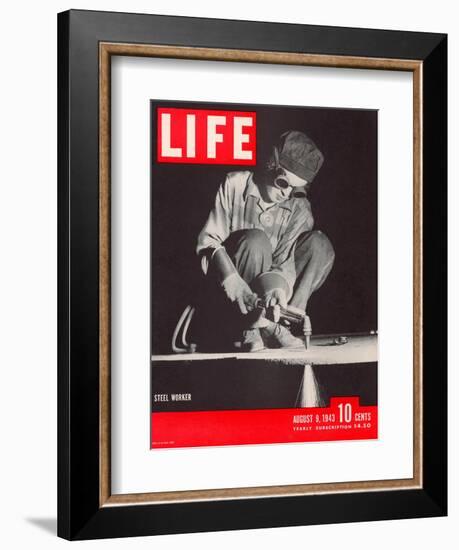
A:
186,326
182,327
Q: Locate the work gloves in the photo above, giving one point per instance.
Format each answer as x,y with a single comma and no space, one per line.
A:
275,297
269,285
239,292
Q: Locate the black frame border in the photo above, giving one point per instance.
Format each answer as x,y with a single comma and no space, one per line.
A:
79,514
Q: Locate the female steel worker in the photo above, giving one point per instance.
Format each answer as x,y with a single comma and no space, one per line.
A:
259,244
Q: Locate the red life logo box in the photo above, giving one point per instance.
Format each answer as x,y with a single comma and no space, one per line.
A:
201,136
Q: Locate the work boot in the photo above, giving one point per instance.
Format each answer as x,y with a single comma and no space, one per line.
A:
275,335
251,340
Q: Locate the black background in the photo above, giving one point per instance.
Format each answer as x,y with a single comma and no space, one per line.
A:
344,205
248,384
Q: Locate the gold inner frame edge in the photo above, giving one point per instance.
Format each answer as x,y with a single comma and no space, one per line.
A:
106,50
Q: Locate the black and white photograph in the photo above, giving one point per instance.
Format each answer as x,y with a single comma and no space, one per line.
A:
264,263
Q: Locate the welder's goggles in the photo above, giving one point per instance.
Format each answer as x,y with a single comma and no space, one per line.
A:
284,179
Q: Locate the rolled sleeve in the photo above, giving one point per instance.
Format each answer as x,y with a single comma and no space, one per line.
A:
217,227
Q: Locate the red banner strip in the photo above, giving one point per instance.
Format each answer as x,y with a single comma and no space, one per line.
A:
345,419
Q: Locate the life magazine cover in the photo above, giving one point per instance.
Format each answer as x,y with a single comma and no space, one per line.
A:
264,256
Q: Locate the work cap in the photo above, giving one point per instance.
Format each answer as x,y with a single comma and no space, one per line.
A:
300,155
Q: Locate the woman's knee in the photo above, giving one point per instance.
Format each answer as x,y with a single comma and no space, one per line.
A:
256,239
246,243
317,243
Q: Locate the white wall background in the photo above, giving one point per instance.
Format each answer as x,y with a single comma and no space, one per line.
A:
28,270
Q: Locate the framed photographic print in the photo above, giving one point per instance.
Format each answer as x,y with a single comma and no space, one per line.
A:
252,274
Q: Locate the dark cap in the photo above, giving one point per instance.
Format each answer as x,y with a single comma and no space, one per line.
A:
300,155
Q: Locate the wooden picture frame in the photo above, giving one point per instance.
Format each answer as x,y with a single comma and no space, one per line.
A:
86,506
